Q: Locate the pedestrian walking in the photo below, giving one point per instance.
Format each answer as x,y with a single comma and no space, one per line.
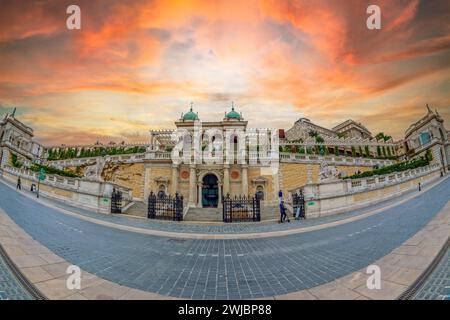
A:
19,184
280,196
283,214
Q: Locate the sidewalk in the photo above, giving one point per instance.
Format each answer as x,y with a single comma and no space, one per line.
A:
400,268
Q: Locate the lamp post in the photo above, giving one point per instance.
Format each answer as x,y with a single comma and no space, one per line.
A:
41,177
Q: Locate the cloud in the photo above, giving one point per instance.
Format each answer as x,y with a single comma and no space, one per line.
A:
136,65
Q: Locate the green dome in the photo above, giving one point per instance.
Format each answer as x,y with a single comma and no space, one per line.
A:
190,116
233,114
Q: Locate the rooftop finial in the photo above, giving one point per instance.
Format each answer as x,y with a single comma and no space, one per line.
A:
428,108
232,105
192,104
14,112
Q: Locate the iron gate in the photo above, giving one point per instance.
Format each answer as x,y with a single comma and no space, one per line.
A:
116,201
298,202
241,209
165,207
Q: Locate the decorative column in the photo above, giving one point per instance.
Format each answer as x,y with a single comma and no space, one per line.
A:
244,179
226,180
192,186
199,203
219,204
174,179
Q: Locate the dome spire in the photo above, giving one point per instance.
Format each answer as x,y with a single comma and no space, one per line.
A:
233,115
190,115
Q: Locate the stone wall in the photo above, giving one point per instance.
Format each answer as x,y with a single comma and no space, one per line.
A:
129,175
340,196
255,172
91,195
295,175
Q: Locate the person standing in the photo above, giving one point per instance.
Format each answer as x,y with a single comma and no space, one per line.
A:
280,196
19,184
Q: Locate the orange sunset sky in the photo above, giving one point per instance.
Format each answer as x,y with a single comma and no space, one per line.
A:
136,65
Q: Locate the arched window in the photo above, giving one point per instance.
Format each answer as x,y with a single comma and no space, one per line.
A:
260,192
162,191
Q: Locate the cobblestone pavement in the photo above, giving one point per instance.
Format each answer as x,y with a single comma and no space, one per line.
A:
437,286
231,228
10,287
223,269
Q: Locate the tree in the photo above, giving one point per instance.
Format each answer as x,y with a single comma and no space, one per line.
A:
367,151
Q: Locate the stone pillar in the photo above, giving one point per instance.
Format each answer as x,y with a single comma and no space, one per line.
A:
219,204
226,180
244,179
174,179
199,202
147,184
192,185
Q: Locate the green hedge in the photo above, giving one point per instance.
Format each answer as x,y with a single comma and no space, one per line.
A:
398,167
51,170
70,153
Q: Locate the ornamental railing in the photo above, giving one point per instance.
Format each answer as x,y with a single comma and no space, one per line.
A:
116,201
165,207
241,209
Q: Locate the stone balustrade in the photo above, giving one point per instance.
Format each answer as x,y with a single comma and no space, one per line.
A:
328,198
88,194
123,158
252,155
337,160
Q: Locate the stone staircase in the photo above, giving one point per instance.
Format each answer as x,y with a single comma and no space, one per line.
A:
204,214
138,209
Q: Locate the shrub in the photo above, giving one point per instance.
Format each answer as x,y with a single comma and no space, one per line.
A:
52,170
398,167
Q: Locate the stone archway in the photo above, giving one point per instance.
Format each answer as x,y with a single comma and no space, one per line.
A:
210,191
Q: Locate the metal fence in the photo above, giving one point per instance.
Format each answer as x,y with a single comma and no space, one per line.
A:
165,207
241,209
298,203
116,201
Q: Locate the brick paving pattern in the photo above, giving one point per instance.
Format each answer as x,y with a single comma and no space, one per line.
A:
223,269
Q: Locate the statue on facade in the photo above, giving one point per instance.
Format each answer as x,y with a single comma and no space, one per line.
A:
94,171
328,173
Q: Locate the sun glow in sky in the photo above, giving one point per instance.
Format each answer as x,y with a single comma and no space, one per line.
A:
136,65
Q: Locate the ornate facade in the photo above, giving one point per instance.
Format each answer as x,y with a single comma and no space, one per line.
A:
345,150
17,139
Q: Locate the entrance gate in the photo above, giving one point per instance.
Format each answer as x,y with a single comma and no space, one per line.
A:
210,191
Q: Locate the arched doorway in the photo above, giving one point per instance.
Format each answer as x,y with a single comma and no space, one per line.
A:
210,191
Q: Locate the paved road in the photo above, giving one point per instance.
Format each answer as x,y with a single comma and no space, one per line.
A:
223,269
229,228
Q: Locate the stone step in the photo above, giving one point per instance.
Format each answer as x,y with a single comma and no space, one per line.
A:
204,214
139,209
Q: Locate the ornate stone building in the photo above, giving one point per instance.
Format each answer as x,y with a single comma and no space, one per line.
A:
428,133
300,157
202,183
17,139
352,129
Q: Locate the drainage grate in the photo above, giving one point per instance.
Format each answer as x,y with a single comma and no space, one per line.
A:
28,286
417,285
